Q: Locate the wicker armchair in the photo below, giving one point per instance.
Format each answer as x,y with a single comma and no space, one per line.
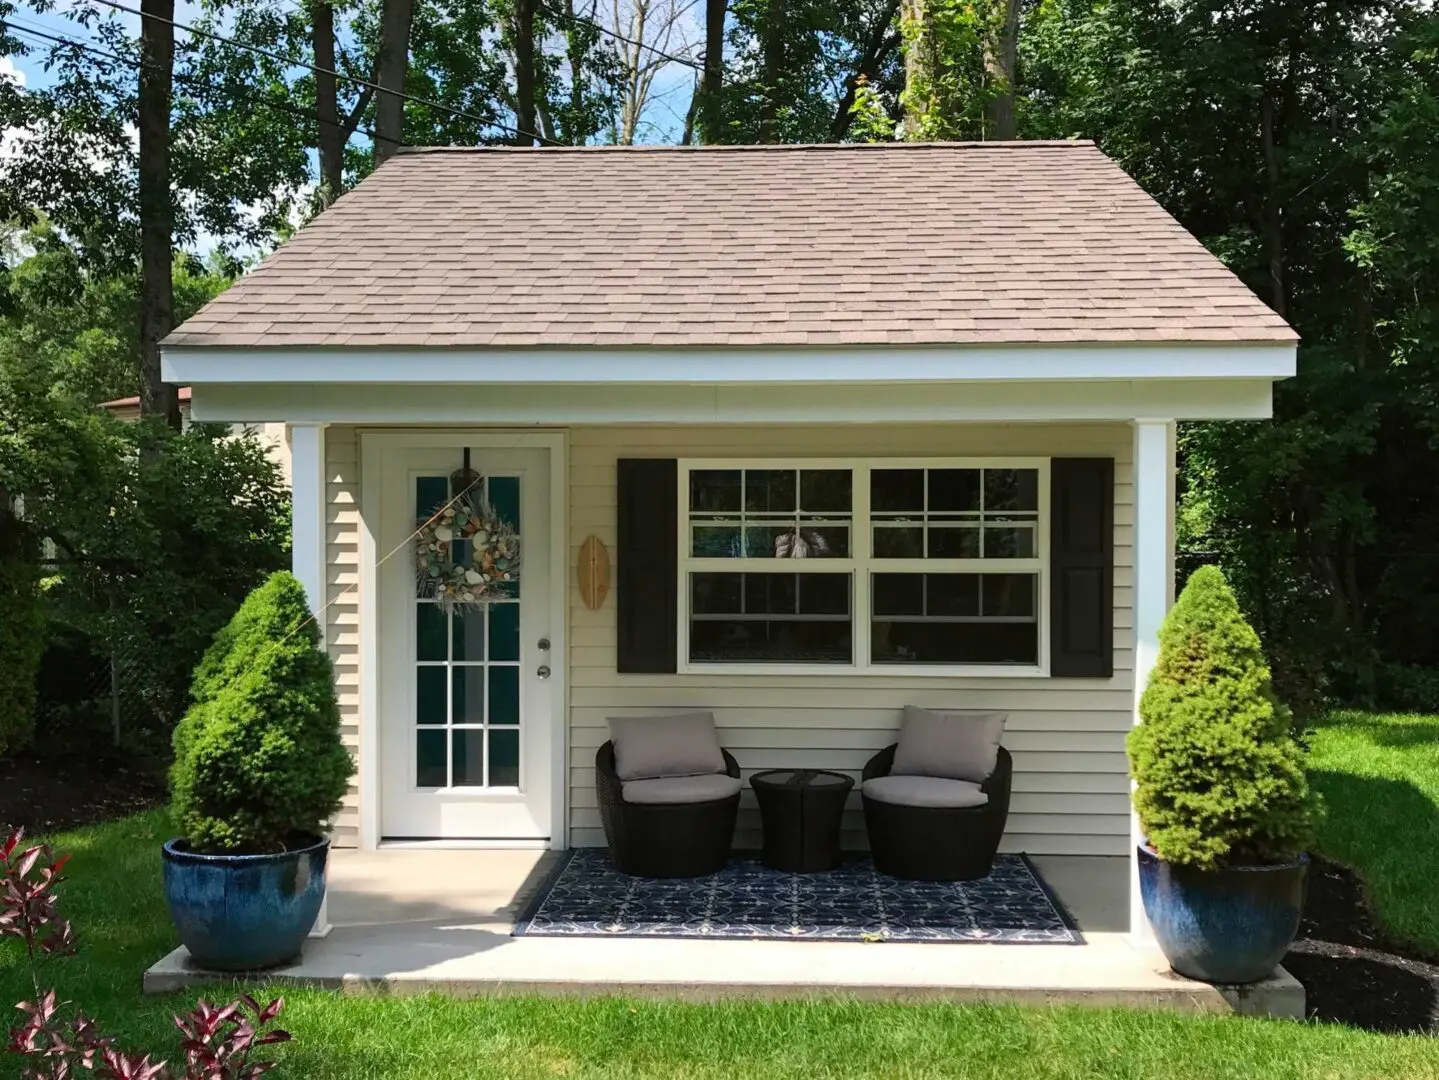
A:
664,840
924,843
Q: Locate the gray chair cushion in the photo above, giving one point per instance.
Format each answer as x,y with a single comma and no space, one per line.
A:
952,745
927,791
684,744
681,789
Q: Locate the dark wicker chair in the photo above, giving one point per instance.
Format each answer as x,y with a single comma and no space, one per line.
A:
664,840
936,843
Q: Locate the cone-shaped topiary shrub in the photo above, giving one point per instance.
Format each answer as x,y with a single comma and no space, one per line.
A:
258,757
1220,777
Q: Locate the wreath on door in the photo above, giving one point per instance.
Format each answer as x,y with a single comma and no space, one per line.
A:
465,553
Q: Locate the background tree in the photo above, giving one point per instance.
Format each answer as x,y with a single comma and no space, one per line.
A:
647,33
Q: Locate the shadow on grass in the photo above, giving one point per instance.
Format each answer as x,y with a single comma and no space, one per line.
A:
1382,835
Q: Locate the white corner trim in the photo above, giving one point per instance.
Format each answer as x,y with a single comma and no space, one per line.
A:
307,518
1066,363
1153,570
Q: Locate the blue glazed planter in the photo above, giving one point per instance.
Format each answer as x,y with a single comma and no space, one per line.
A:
1223,926
243,912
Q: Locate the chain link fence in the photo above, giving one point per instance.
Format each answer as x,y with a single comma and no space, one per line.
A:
96,695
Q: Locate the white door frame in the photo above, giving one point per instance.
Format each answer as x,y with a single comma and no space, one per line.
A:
373,446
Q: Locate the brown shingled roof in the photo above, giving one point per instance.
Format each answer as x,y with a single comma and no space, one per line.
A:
897,244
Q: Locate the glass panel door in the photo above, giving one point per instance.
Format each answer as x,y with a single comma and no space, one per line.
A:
467,665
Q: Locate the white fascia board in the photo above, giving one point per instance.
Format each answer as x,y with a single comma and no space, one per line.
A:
548,406
752,367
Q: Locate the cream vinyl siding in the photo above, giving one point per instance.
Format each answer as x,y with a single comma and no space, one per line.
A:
342,616
1066,735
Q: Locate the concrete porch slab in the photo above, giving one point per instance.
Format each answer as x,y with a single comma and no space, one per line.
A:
412,921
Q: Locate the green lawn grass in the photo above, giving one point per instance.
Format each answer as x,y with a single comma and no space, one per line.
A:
1379,775
114,899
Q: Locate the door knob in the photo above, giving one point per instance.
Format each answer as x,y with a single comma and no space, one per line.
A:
543,671
544,644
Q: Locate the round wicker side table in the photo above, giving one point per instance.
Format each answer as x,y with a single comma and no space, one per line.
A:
800,810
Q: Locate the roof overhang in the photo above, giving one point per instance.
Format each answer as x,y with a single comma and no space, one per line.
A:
731,366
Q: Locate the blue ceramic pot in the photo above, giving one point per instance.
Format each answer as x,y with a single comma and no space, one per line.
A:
1223,926
243,912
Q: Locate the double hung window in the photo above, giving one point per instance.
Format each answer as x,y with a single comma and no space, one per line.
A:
863,565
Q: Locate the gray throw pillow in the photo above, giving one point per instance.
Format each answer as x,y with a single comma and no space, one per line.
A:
952,745
684,744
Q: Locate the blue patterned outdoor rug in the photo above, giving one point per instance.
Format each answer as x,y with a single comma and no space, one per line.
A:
588,897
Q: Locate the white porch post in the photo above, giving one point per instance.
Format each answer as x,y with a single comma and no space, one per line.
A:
1153,592
307,544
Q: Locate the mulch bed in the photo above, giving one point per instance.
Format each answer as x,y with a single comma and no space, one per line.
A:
1351,973
45,794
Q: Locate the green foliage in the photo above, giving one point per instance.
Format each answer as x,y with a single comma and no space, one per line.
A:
258,757
871,122
818,46
78,326
947,90
154,536
22,640
1219,775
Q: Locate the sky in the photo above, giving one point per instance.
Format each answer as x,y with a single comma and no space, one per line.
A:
663,120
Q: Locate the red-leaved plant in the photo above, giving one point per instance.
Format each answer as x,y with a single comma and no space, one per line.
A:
217,1040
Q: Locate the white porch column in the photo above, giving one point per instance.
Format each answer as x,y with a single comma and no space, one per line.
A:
1153,592
307,544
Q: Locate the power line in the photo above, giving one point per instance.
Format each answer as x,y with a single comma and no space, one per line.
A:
292,62
135,62
620,37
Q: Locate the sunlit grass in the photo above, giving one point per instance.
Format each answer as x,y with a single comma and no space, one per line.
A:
1379,775
114,898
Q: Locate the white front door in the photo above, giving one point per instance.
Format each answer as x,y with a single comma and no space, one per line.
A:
465,695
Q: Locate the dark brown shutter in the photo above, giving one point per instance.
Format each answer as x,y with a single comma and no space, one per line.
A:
647,565
1081,563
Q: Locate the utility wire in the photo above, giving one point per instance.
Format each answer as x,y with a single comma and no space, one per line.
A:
135,62
620,37
292,62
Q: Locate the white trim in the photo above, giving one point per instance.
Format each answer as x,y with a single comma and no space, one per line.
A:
1153,571
373,444
307,517
860,565
501,405
369,778
465,845
307,551
1231,360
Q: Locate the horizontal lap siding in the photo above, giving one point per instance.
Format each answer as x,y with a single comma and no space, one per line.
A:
342,616
1067,735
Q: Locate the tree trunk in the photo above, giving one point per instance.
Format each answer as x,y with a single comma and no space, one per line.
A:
881,42
1000,61
525,72
1272,226
706,106
919,66
390,70
633,97
157,292
687,136
571,131
772,70
331,141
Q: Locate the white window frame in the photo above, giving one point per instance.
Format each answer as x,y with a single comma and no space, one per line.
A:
861,564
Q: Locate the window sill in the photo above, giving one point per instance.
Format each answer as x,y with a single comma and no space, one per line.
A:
897,671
